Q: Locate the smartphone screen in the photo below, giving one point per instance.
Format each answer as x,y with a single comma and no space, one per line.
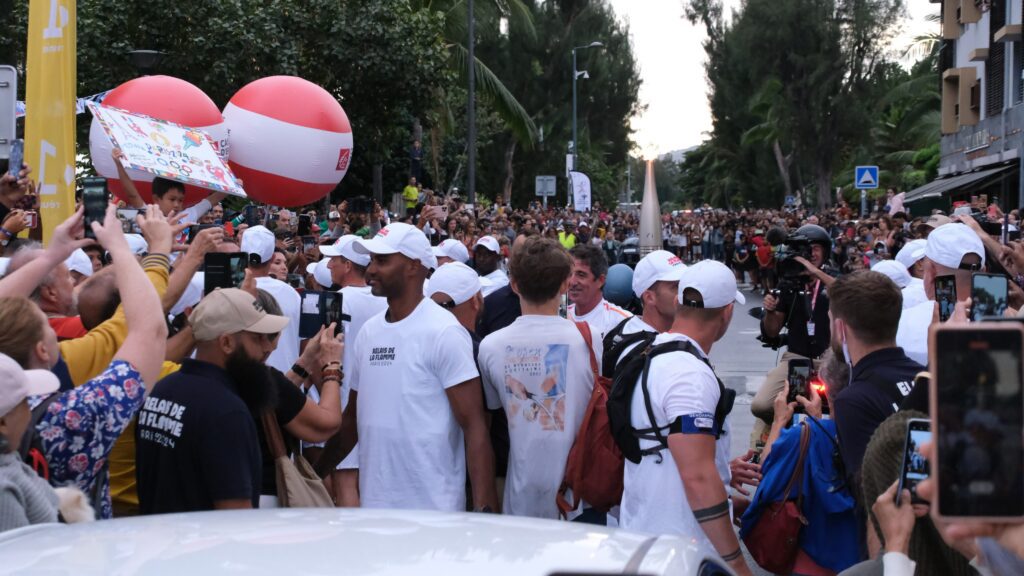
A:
31,219
94,202
563,306
945,295
237,264
305,223
250,216
309,318
799,377
915,466
308,243
330,310
195,229
989,293
978,420
17,159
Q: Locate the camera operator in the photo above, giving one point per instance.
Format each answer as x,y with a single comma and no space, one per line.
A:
800,305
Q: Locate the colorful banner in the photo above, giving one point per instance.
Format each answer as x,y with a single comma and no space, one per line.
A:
166,149
580,184
51,91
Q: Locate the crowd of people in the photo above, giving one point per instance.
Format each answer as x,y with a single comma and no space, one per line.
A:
462,367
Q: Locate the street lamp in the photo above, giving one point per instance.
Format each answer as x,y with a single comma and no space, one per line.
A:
575,76
146,61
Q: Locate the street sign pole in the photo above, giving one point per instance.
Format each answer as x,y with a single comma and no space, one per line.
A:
865,178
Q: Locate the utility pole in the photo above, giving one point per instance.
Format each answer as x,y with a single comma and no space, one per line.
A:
471,111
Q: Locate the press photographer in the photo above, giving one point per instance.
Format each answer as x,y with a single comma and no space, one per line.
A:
799,305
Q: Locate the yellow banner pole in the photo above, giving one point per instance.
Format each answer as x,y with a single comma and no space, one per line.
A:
50,92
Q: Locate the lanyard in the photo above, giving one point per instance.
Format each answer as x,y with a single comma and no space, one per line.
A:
814,298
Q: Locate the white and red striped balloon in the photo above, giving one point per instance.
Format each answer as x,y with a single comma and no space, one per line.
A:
165,98
290,140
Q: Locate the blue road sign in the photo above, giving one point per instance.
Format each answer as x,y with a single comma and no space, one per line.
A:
865,177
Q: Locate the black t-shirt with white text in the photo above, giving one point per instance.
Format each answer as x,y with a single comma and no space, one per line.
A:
196,443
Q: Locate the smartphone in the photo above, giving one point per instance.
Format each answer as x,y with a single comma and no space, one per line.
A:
295,281
330,310
94,202
31,219
444,211
563,306
799,378
17,159
989,294
250,217
195,229
224,270
127,218
977,419
945,295
305,225
915,466
308,244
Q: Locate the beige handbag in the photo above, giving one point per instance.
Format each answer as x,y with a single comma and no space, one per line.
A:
298,485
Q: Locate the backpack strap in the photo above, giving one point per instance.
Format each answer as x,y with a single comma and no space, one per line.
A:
726,397
30,449
615,342
584,329
796,479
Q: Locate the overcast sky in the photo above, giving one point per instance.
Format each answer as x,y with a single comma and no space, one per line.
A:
671,60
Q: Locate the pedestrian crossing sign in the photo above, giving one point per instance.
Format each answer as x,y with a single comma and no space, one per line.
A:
866,177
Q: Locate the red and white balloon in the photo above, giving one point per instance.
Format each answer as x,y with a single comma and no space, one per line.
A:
164,98
290,140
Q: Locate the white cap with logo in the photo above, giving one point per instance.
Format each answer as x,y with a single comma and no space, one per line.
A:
17,384
320,273
259,241
452,248
345,247
458,281
488,242
715,283
947,245
400,238
658,266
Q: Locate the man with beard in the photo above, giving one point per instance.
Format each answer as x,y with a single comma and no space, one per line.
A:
197,447
416,405
486,259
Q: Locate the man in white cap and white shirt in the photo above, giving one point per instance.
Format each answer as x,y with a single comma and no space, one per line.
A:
416,405
682,488
348,270
911,256
951,250
894,271
458,289
320,274
260,241
655,283
538,370
487,261
451,250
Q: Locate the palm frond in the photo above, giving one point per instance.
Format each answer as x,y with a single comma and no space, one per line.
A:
499,96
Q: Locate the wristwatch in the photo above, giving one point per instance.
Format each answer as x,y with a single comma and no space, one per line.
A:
7,236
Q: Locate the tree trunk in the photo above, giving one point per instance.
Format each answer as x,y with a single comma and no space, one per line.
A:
435,156
510,152
783,164
378,184
823,182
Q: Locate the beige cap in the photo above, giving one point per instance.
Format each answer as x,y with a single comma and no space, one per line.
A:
229,311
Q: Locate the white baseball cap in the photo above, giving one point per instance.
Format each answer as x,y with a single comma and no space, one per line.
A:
458,281
947,245
79,262
136,243
17,384
345,247
259,241
894,270
400,238
320,273
660,265
715,283
452,248
488,242
911,252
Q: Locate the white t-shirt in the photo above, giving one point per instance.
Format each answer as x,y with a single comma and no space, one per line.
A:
361,305
653,499
912,334
601,319
287,351
498,280
412,452
913,293
538,370
194,212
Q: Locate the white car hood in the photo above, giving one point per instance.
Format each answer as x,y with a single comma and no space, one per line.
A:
351,542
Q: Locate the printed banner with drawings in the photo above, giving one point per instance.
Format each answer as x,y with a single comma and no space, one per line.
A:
581,199
166,149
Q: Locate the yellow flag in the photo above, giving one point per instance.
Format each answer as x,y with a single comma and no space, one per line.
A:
50,93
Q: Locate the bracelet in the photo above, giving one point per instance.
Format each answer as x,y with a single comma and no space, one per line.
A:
333,374
329,365
6,232
300,371
331,378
